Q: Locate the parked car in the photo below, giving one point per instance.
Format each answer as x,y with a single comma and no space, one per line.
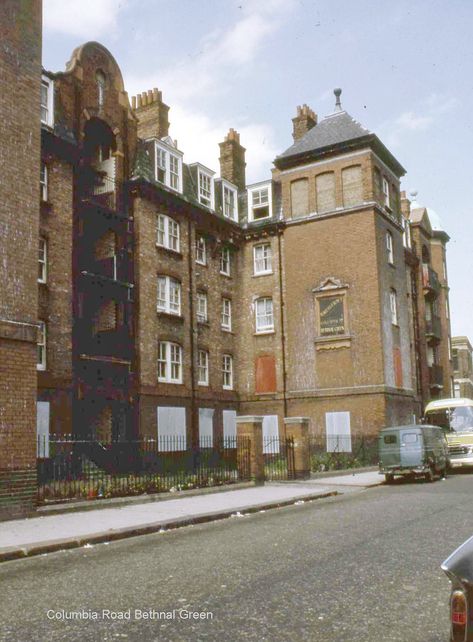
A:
455,416
417,450
459,569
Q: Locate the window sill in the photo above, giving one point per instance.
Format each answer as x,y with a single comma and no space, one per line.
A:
170,315
205,324
254,275
228,388
200,263
170,251
174,383
203,385
260,333
227,330
42,282
227,274
40,368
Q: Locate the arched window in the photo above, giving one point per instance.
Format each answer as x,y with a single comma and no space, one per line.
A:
100,79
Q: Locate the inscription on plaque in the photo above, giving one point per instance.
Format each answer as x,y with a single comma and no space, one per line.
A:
331,316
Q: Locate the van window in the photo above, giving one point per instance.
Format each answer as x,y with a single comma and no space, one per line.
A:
409,438
390,439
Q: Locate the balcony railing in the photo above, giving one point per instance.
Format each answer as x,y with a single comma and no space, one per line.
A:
436,375
103,190
430,280
433,328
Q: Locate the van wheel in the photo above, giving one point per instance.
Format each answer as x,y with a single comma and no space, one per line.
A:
430,475
389,478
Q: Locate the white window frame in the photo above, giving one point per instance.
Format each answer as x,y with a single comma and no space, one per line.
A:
201,250
47,107
254,194
164,159
393,306
168,295
227,372
225,261
42,260
264,319
167,233
202,307
386,192
43,182
226,321
230,205
41,344
169,362
100,80
390,247
262,264
206,193
202,368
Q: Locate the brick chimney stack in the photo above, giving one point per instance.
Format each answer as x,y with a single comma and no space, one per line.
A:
305,120
232,160
152,114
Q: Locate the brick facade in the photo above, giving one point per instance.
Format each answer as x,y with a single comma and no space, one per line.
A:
20,74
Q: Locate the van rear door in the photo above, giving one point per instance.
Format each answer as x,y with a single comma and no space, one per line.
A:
411,447
389,448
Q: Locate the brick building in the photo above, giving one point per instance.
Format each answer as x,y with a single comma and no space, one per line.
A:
170,299
462,367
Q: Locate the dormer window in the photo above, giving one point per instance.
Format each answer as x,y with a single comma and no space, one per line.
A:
259,202
206,189
168,166
230,202
47,101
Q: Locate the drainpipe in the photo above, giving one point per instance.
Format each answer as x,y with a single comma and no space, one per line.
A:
194,435
283,338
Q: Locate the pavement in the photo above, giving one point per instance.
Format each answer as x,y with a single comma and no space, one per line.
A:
47,533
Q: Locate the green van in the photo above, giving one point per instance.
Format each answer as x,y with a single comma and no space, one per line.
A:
418,450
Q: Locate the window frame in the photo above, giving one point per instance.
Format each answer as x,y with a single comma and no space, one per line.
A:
209,194
172,304
163,161
227,372
41,344
167,234
393,307
43,182
230,189
267,259
202,316
43,262
266,328
49,105
226,314
386,190
225,263
390,247
201,250
257,189
203,367
165,354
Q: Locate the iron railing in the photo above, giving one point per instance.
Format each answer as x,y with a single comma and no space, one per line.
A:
336,452
436,375
78,468
278,453
433,328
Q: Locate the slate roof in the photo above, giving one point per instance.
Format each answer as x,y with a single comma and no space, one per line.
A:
337,128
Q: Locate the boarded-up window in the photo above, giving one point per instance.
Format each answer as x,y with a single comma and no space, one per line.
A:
265,371
338,432
229,428
300,198
325,190
206,427
270,434
352,186
171,428
42,429
397,367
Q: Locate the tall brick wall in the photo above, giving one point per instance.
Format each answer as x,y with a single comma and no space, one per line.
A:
20,77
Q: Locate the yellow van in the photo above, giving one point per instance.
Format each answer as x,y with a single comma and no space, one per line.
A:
456,417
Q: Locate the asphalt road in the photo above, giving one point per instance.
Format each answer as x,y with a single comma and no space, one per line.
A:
364,567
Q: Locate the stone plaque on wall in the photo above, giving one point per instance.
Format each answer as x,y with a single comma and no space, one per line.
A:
331,316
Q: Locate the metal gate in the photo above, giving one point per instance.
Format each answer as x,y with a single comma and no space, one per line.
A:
278,453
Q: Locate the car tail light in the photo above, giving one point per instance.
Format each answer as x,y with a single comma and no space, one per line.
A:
458,614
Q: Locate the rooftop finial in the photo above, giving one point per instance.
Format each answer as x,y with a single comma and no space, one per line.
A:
338,104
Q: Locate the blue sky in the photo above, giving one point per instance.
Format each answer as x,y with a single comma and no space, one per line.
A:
405,67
